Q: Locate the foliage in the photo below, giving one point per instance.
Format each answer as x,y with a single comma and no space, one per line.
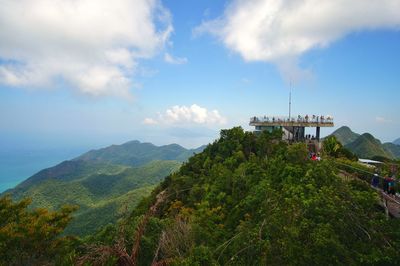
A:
253,200
105,183
32,237
332,147
103,192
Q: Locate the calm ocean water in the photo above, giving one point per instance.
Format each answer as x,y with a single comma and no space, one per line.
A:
16,166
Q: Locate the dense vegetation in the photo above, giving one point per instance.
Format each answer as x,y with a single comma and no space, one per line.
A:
254,200
105,184
32,237
247,199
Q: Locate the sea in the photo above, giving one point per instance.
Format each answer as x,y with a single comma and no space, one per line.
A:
18,165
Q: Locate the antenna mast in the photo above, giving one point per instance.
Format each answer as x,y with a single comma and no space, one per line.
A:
290,100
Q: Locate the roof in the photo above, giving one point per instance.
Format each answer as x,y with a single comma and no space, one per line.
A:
369,161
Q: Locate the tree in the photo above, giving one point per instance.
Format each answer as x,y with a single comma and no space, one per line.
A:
255,200
32,237
331,146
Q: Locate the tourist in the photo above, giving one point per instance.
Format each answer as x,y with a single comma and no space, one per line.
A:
314,157
391,189
386,184
375,180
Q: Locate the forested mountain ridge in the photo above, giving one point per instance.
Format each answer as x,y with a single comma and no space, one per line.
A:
247,199
135,153
104,183
393,149
366,145
255,200
345,135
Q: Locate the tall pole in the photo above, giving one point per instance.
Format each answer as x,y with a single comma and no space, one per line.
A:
290,100
290,107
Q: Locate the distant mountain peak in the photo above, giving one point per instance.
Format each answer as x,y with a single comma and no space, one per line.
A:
369,137
366,145
345,135
136,153
397,141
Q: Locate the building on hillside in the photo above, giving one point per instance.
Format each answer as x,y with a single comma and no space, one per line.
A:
369,163
294,129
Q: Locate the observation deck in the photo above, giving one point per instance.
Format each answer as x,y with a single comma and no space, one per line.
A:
293,128
299,121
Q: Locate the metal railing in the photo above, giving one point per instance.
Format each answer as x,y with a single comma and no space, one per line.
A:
299,119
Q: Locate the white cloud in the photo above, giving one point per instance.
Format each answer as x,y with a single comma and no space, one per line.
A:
279,31
175,60
93,45
383,120
149,121
193,114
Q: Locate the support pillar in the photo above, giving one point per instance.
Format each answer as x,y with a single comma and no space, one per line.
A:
317,133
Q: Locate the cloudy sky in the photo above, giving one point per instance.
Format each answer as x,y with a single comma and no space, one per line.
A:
97,72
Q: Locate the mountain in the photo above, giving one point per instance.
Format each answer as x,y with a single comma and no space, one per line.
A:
366,146
135,153
397,141
104,183
255,200
345,135
393,149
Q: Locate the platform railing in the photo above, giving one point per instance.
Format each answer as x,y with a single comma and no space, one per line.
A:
299,119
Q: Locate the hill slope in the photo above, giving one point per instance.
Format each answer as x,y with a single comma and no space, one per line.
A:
393,149
254,200
135,153
366,146
345,135
104,183
397,141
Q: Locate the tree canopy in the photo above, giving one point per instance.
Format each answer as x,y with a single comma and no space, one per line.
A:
252,199
33,237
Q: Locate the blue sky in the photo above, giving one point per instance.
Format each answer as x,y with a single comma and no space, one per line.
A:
191,68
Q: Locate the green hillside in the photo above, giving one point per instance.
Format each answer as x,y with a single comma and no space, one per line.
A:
366,146
254,200
102,196
135,153
247,199
104,183
345,135
392,149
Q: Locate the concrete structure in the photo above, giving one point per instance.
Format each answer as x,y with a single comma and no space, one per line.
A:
293,128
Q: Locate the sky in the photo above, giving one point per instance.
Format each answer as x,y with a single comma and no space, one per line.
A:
90,73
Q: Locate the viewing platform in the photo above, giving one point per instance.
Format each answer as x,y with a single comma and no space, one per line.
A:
299,121
294,128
